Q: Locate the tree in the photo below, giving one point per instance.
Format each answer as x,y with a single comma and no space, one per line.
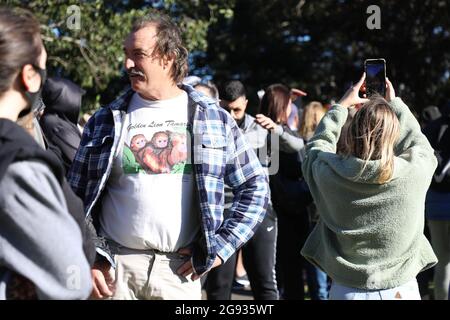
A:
320,46
91,54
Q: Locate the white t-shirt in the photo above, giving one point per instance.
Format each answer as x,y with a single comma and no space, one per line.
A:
150,197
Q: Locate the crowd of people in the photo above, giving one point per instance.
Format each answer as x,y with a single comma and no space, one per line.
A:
166,187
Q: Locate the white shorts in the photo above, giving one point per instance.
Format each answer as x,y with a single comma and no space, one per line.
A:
407,291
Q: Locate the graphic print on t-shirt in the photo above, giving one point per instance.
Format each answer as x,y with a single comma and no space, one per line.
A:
156,151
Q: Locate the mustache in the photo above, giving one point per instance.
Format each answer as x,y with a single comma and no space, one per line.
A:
133,72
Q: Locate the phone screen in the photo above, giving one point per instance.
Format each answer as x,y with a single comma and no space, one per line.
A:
375,77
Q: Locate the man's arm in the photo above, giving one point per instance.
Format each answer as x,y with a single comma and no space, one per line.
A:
245,175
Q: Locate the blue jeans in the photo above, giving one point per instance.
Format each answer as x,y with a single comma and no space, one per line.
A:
317,283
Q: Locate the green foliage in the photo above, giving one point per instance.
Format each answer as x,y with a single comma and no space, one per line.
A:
93,55
318,46
90,56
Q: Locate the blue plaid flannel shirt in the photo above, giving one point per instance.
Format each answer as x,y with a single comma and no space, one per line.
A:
221,156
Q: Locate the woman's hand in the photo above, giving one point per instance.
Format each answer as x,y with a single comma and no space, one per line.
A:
295,93
265,122
390,92
351,97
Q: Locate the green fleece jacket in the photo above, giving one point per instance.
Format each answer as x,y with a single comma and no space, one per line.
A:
369,235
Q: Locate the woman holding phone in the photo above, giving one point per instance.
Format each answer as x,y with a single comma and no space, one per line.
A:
370,198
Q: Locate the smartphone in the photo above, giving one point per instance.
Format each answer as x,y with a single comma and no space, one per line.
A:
375,76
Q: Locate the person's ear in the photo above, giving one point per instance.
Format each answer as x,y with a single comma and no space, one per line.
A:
244,105
30,78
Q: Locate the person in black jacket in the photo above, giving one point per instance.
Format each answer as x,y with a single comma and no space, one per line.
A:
40,243
62,99
57,127
62,103
289,193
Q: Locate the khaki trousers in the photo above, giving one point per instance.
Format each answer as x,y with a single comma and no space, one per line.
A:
151,275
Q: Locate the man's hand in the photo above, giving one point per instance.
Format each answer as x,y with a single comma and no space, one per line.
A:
351,97
103,284
186,268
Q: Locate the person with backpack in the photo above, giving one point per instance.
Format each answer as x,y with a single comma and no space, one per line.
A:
437,206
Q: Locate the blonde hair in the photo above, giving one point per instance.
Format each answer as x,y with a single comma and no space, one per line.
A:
311,116
371,136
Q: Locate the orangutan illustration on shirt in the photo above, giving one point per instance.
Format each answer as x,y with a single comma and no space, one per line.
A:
159,154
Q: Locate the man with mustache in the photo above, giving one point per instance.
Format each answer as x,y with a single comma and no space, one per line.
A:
158,234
